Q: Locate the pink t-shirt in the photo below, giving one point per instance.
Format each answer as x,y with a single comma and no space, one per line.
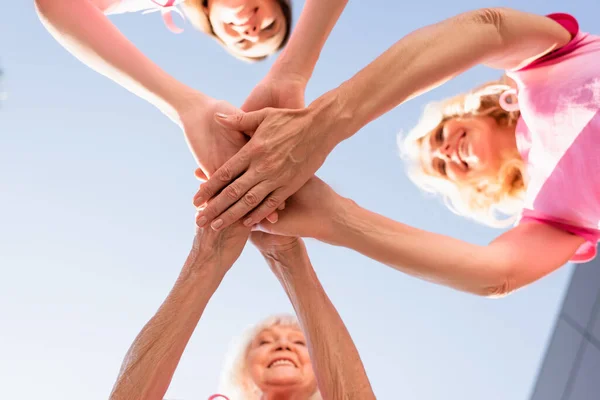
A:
558,136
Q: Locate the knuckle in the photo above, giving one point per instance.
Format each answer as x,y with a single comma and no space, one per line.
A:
250,199
259,146
232,192
224,174
266,167
204,192
272,202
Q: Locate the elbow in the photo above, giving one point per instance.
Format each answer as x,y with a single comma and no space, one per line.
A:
499,280
492,20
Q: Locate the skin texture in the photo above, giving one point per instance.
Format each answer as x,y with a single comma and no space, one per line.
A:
339,370
249,28
151,361
513,260
300,140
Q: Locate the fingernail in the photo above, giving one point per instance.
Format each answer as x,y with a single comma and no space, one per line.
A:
202,222
248,222
221,115
217,224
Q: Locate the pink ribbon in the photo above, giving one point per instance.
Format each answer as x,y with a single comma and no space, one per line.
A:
513,105
167,8
217,396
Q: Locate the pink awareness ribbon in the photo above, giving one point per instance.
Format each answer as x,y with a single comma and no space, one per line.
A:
167,8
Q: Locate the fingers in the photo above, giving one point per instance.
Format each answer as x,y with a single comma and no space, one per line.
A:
242,122
268,206
221,178
199,174
247,202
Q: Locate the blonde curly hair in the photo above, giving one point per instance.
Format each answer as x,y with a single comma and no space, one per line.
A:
493,201
235,380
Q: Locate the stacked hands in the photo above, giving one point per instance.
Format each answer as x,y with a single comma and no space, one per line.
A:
253,160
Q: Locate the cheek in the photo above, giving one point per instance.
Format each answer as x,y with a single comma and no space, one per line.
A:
255,361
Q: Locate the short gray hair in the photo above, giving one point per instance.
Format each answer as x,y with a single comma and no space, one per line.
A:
235,382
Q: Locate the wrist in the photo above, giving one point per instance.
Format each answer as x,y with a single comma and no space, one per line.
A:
285,259
203,263
188,102
334,111
339,223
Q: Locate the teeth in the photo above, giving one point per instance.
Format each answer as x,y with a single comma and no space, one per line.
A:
281,362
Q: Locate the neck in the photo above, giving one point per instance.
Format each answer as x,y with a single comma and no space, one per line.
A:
285,395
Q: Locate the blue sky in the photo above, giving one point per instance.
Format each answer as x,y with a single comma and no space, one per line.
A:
96,221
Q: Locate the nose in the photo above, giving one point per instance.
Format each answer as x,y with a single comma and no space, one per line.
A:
248,31
283,344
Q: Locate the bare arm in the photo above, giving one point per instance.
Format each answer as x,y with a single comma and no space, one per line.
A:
520,256
308,38
299,141
428,57
153,357
337,364
82,28
517,258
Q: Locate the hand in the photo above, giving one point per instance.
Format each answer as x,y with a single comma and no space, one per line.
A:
211,143
311,212
218,249
283,253
287,148
277,92
273,244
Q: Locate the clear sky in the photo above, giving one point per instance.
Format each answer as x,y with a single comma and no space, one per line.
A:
96,221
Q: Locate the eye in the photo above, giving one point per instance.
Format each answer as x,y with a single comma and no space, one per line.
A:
439,135
441,167
269,27
263,342
300,343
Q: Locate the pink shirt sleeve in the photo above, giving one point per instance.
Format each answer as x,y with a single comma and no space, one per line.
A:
568,22
586,252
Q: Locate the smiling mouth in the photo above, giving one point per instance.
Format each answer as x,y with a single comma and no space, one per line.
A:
462,150
282,362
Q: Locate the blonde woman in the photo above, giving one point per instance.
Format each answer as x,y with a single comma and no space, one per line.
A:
279,359
521,149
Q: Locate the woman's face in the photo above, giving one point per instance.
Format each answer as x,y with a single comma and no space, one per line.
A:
250,28
467,148
278,361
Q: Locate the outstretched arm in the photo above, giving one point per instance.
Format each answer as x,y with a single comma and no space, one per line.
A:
83,29
299,141
285,84
336,362
517,258
153,357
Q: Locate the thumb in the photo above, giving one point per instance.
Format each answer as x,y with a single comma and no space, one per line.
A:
241,122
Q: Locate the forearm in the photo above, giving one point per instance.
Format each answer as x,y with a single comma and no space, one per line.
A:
82,28
430,56
337,364
308,38
153,357
434,257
